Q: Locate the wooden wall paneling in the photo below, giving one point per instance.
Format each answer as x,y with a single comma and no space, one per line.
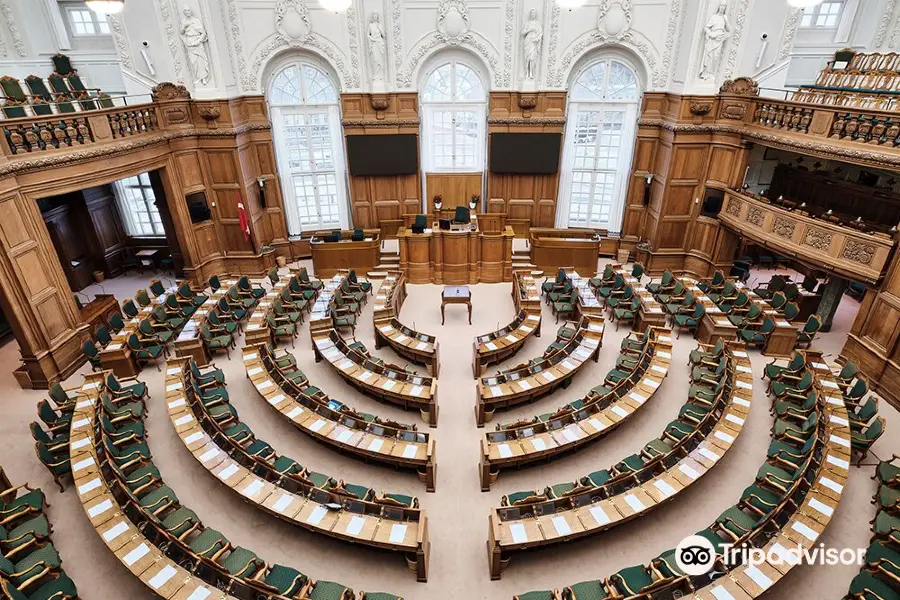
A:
455,188
109,233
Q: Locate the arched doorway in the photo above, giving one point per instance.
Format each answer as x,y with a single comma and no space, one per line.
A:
309,146
604,99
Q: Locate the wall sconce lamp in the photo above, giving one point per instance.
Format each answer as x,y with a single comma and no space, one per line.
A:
261,182
648,179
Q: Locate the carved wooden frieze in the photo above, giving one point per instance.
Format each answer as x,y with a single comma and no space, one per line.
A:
734,207
858,252
701,107
783,227
818,239
755,216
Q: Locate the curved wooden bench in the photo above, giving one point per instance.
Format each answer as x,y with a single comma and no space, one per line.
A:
528,381
256,331
419,348
384,381
497,346
112,520
384,525
587,509
570,427
814,497
375,439
525,292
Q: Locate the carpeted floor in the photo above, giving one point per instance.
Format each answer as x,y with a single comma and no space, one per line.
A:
458,511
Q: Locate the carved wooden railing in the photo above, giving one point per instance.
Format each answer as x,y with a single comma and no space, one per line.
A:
862,126
830,247
53,133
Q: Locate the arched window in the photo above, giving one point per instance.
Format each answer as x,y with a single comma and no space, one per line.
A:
309,148
454,101
603,106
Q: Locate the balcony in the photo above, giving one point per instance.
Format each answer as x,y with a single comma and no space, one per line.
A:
832,247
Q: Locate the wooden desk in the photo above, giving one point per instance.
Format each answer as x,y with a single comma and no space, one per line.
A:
714,327
96,312
578,249
783,339
499,345
330,257
455,257
457,294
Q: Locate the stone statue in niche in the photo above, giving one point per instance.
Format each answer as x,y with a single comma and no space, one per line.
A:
194,36
715,35
376,48
533,34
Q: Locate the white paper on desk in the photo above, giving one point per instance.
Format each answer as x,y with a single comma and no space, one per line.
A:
175,370
734,419
254,371
386,329
743,369
282,503
253,326
344,436
174,386
388,384
720,593
568,365
832,485
650,383
228,472
264,385
323,343
708,454
495,391
184,420
252,487
548,376
596,424
376,444
316,516
416,391
821,507
758,577
504,450
666,355
839,441
318,425
275,399
77,445
519,535
398,533
90,485
294,413
209,455
99,508
599,515
570,434
365,375
659,369
247,357
410,451
346,365
512,339
741,402
114,347
839,462
115,531
491,346
561,525
664,487
839,420
84,464
177,403
527,329
740,353
197,435
421,345
807,532
355,525
789,558
689,471
80,423
634,502
745,385
401,338
161,578
620,411
524,384
637,397
538,444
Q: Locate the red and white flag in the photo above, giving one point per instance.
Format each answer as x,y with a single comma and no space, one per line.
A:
243,217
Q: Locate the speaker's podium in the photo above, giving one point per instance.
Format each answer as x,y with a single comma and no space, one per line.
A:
456,253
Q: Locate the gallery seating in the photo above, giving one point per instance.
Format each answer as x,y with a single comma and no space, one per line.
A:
211,429
370,437
707,426
381,380
791,502
861,80
541,375
641,367
419,348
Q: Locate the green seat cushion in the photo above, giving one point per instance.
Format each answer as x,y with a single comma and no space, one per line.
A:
208,543
587,590
37,527
631,580
328,590
161,496
180,520
872,588
33,499
887,471
285,465
536,595
243,563
58,588
737,521
286,580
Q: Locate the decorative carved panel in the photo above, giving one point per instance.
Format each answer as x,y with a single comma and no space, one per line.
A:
858,252
755,216
818,239
784,227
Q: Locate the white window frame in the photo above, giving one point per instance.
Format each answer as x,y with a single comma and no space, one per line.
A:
626,148
811,15
287,173
454,106
145,202
97,21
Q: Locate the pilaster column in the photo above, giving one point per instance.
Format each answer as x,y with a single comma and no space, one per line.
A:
832,295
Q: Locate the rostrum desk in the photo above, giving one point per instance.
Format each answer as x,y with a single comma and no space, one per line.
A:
330,257
456,257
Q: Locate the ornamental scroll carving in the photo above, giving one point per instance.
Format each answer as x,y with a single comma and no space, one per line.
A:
170,91
701,107
755,216
858,252
784,227
741,86
818,239
734,207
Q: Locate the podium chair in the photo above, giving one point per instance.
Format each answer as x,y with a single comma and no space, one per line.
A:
462,215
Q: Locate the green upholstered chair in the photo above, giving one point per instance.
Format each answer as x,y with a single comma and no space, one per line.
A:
93,355
753,314
354,281
861,441
665,284
57,464
102,336
358,235
145,350
162,319
215,342
232,307
143,298
57,442
419,224
53,420
284,581
462,215
280,330
187,296
220,326
14,98
131,391
626,313
791,371
806,335
130,309
41,97
689,321
757,337
343,320
214,283
156,332
712,285
60,89
156,288
115,322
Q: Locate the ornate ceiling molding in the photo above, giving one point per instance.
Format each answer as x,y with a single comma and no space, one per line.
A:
740,17
315,43
437,40
790,30
292,21
884,23
615,17
18,43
